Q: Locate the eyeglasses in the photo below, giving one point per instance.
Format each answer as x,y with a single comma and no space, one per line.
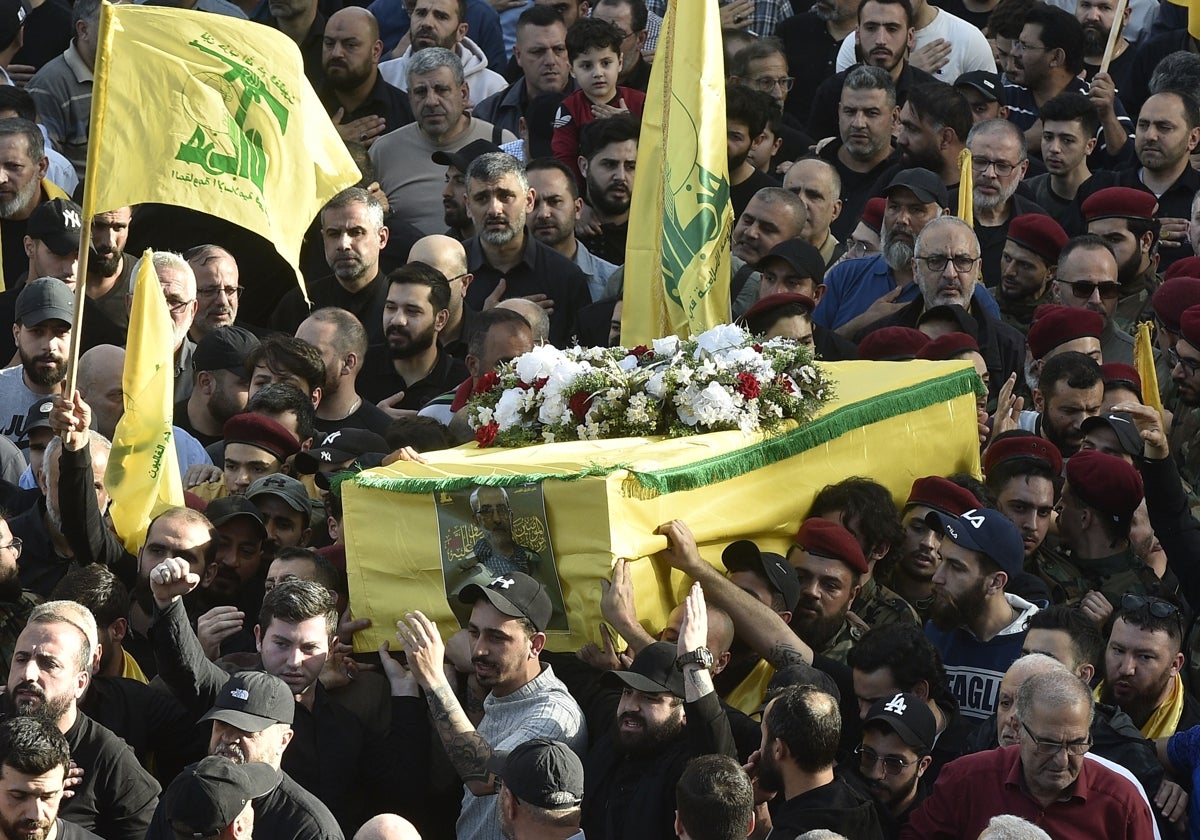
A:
859,247
766,84
176,306
492,510
937,262
1190,366
1023,47
230,292
1044,747
892,765
1003,168
1083,290
15,545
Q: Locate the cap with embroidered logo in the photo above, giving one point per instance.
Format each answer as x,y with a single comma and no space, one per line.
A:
515,594
253,700
209,795
57,224
909,717
339,446
986,531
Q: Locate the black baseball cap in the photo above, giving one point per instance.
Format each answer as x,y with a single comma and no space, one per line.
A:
546,774
462,159
909,717
57,223
745,556
342,445
45,299
38,416
207,796
924,184
225,348
228,508
804,259
252,701
12,18
986,83
653,671
1123,427
515,594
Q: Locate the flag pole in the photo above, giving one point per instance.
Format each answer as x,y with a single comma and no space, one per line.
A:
1112,35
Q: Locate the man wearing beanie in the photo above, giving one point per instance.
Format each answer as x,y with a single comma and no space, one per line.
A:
1094,514
976,625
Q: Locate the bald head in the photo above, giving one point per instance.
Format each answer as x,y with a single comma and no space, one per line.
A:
358,20
1032,664
534,314
100,372
387,826
442,252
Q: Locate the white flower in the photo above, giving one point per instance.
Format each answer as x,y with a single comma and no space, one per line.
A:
628,363
539,363
666,347
483,416
508,409
720,337
655,386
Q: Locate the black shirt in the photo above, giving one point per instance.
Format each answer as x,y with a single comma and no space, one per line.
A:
48,33
311,48
609,245
740,194
542,270
16,264
367,416
639,78
151,721
117,797
857,188
835,806
811,57
379,379
180,418
992,238
366,305
384,100
823,119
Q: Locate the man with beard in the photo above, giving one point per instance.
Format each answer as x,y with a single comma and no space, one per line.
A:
497,549
668,713
42,330
446,254
1069,127
556,210
1070,389
976,626
108,269
354,233
1027,266
746,114
859,292
608,160
23,155
933,127
34,762
1098,18
801,728
335,755
179,288
915,556
1087,279
252,722
363,106
541,791
525,699
893,758
540,52
998,163
459,224
1096,510
945,267
830,564
50,671
15,602
1124,217
412,369
342,342
810,41
1022,472
506,259
221,387
217,289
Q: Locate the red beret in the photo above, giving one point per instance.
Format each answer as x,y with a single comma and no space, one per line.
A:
1186,267
1105,482
873,214
892,344
1174,296
1031,447
1121,372
263,432
1040,234
1054,325
1189,326
943,495
1120,203
948,346
766,304
826,538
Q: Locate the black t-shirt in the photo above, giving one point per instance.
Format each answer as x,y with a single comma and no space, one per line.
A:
812,58
70,831
610,244
740,194
181,419
367,416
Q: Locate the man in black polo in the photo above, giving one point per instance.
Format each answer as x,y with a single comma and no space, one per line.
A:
504,252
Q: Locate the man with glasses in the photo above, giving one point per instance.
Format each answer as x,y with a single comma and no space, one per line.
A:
217,289
1124,217
1045,778
898,734
179,288
1087,279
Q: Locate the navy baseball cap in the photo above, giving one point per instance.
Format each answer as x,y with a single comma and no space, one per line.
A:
987,531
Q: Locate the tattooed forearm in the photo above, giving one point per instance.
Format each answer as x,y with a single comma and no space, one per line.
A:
783,654
467,750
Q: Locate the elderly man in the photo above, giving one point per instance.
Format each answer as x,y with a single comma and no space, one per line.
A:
772,216
816,183
178,283
217,289
403,159
23,152
1044,778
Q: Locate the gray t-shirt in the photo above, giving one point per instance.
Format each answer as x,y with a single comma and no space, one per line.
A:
15,399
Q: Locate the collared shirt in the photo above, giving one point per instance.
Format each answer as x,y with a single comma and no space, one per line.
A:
62,91
975,788
542,270
596,270
384,100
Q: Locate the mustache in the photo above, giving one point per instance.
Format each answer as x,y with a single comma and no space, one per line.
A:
32,687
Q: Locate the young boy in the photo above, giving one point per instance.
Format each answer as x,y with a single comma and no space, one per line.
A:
594,48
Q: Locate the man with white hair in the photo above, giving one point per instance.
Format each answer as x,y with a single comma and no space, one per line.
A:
178,283
1008,827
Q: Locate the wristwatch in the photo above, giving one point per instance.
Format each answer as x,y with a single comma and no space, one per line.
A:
701,656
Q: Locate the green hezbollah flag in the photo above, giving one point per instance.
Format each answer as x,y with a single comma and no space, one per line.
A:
213,113
677,267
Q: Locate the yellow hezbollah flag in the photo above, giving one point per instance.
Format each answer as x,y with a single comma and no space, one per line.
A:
213,113
677,267
143,473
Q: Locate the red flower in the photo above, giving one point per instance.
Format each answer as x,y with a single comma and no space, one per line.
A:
757,348
487,382
579,404
641,350
539,384
485,436
786,384
748,386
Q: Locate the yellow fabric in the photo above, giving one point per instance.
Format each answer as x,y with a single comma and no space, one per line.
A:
143,476
966,188
392,538
223,121
131,670
748,695
1165,719
677,264
1143,358
1193,7
50,190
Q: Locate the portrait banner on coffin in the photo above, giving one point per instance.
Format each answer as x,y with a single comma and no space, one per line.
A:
601,500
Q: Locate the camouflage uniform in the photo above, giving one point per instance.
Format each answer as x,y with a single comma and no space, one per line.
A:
1133,306
847,636
1069,580
877,606
1185,445
1019,314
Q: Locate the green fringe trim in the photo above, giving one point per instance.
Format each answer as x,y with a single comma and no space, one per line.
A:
721,467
